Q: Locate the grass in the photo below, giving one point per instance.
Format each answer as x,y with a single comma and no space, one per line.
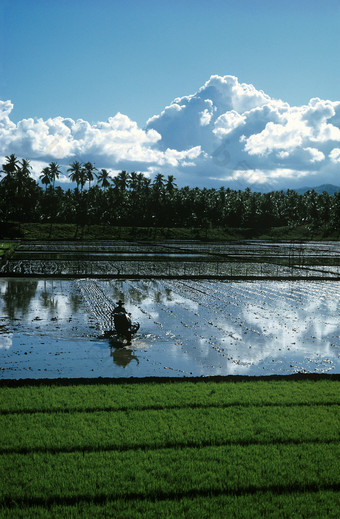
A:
58,231
172,449
6,248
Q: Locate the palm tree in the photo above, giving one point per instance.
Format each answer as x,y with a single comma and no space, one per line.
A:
89,172
146,183
45,176
121,181
24,168
54,172
335,212
141,180
158,183
103,178
75,172
82,178
11,166
312,207
170,184
18,190
133,181
23,179
48,176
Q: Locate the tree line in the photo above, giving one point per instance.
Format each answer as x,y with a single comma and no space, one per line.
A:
132,199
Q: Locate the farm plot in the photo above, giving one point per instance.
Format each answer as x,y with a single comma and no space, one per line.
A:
245,259
188,449
160,267
55,328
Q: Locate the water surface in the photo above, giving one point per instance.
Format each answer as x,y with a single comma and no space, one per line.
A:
55,328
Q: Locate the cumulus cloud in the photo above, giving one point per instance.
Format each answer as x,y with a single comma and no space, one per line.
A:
227,122
276,143
227,132
118,141
315,154
335,155
257,176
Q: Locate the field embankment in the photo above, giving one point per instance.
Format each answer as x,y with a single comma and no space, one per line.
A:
63,231
187,449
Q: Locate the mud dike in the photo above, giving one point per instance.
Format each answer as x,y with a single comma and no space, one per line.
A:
119,260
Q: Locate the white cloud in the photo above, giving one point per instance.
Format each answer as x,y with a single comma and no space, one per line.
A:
257,176
205,117
277,136
316,155
201,138
6,341
283,154
335,155
117,140
227,122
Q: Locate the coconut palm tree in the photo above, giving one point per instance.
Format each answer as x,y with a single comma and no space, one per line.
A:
24,168
45,176
89,170
75,172
54,172
23,180
170,184
121,181
133,181
141,180
104,178
12,165
158,183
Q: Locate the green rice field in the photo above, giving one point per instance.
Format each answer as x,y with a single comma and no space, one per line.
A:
171,448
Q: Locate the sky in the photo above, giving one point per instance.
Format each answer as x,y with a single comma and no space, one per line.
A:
235,92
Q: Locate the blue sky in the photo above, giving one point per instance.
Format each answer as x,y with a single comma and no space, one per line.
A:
92,59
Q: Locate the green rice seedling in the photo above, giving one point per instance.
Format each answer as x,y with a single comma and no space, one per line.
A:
121,430
261,504
127,396
188,449
159,473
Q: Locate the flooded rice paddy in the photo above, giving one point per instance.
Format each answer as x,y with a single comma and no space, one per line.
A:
51,328
240,259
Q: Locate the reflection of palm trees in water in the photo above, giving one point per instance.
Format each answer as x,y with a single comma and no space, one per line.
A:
48,300
122,356
135,295
118,290
75,301
18,296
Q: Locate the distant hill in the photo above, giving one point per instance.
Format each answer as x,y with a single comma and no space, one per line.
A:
329,188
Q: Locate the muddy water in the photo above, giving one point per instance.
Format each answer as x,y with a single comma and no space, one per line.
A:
55,328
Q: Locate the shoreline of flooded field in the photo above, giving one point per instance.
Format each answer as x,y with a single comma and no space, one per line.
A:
54,328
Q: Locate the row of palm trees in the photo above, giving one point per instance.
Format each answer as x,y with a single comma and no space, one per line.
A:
133,199
80,174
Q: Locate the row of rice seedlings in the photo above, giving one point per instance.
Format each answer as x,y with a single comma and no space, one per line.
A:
150,429
273,448
312,504
45,478
167,395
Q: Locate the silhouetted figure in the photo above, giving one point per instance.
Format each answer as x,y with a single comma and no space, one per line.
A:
121,319
119,308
